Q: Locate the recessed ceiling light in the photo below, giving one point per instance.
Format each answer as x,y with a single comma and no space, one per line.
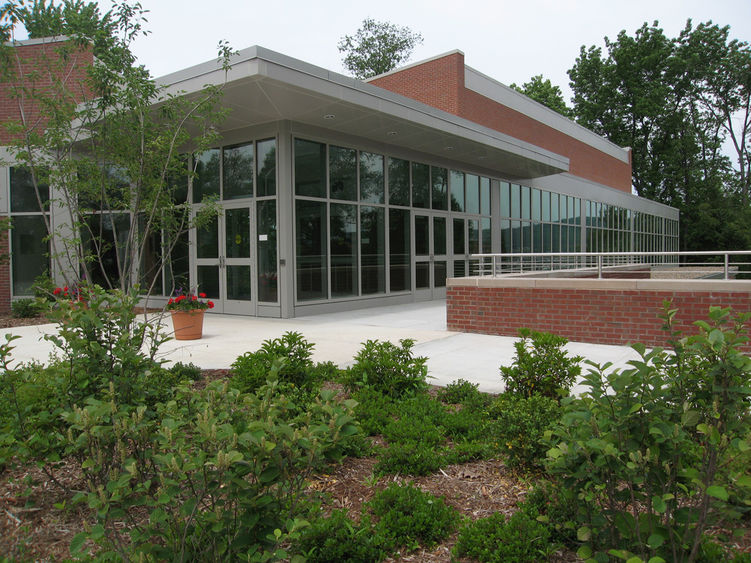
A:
449,148
392,133
482,157
329,116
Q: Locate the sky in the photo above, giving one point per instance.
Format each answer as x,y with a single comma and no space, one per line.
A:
510,41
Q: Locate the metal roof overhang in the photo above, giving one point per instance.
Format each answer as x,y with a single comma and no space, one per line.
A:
263,86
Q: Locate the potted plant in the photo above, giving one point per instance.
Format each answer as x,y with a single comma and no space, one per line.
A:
187,310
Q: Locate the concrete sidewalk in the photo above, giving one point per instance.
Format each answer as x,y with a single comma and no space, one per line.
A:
338,337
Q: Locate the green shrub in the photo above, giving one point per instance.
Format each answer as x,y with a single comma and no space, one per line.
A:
518,425
464,452
182,372
466,423
419,420
293,354
644,446
408,516
520,539
338,539
374,410
387,368
541,366
458,391
408,459
25,308
557,506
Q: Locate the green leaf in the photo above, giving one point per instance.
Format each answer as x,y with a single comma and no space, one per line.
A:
656,559
584,552
659,506
717,491
655,540
584,533
77,542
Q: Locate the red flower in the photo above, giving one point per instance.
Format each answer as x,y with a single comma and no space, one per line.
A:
57,291
179,298
202,295
171,301
211,304
194,298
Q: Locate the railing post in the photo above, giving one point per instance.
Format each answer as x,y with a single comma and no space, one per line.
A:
727,256
599,266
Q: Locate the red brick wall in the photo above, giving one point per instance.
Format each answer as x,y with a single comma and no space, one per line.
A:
35,67
440,83
582,315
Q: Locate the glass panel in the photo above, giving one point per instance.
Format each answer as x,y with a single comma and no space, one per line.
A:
516,237
266,167
107,239
23,196
207,240
460,268
420,185
505,235
473,228
556,238
237,171
459,244
178,267
238,283
177,180
439,273
554,202
537,237
208,281
505,200
310,168
266,250
422,235
206,179
151,260
472,188
372,250
311,240
484,196
29,252
237,231
371,178
398,182
516,202
439,235
536,213
525,202
526,237
571,214
422,275
457,190
564,208
487,241
343,173
343,220
399,250
439,179
547,229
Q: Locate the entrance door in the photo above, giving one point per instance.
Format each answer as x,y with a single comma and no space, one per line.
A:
430,255
223,260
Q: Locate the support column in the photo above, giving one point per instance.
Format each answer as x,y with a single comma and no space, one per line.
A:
286,234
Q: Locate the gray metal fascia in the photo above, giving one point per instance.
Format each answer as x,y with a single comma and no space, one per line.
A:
310,77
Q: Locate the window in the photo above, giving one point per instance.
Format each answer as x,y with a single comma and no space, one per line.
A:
343,173
310,168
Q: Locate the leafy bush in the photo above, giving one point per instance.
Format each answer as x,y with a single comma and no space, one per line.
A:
419,420
408,459
388,369
467,423
25,308
374,411
558,507
541,366
458,391
643,446
408,516
520,539
293,354
518,425
338,539
181,371
464,452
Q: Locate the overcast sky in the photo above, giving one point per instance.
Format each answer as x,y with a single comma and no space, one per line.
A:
507,40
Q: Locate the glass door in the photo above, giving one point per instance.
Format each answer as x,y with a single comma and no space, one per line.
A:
224,261
431,260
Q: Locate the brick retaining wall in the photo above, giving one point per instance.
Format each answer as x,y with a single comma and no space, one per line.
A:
597,311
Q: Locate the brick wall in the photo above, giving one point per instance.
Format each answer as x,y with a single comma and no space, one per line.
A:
4,274
600,316
440,83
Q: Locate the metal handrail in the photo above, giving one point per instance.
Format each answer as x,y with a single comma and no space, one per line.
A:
600,260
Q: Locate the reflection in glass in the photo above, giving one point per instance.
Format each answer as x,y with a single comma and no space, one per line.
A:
472,189
343,173
311,236
420,185
505,199
505,236
457,190
554,215
460,268
422,275
439,273
206,179
266,167
29,252
439,235
398,182
399,250
525,202
439,180
106,237
487,242
473,229
151,259
23,196
459,245
372,250
237,170
536,214
485,196
310,168
266,250
237,229
178,266
516,202
371,178
207,240
343,221
238,283
546,206
422,235
526,237
208,281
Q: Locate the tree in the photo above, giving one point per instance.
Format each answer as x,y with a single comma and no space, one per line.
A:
110,144
665,99
377,47
542,90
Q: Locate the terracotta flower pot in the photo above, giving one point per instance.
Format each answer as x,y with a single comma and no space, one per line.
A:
188,325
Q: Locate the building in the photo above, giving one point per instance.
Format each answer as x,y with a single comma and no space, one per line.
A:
372,193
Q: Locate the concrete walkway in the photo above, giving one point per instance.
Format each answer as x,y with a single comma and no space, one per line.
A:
338,337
